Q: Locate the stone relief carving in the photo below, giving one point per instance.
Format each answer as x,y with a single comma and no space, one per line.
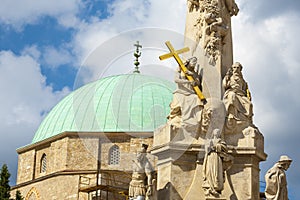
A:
276,184
232,7
206,119
216,155
186,107
141,185
213,116
193,4
237,99
213,24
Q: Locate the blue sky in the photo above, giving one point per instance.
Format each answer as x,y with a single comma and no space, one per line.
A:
44,45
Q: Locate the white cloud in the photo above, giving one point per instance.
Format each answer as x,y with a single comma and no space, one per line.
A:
128,21
25,90
32,51
50,56
24,98
19,12
54,57
268,53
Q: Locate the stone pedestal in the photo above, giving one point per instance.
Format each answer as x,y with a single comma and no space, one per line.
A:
176,163
179,165
196,191
247,148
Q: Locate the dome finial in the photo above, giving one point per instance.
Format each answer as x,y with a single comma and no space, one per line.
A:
137,54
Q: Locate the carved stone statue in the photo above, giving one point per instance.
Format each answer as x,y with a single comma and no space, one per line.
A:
237,98
213,170
140,187
276,184
186,106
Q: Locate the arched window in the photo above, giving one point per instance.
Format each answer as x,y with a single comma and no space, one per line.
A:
114,155
33,194
43,163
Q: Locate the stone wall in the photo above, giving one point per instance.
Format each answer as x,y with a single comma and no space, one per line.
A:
56,154
53,188
70,157
82,153
25,166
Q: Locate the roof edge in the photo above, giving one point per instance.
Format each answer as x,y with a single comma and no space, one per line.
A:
28,147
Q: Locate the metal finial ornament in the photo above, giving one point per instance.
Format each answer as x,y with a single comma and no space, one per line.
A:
137,54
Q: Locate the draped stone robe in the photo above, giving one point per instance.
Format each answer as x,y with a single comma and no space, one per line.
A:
213,172
276,184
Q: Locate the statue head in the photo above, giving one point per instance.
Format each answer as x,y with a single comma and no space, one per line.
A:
237,67
191,63
144,148
142,153
285,161
216,133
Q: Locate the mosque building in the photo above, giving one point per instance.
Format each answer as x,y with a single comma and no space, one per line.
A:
84,147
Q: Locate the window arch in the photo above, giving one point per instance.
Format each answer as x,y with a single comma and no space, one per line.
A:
43,165
33,194
114,155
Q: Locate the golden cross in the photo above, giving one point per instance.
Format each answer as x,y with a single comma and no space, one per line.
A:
175,53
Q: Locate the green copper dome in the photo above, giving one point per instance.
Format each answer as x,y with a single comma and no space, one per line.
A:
124,103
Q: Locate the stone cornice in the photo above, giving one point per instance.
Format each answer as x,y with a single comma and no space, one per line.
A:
82,135
55,174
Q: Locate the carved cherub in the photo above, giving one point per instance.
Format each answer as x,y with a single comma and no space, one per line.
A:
232,7
193,4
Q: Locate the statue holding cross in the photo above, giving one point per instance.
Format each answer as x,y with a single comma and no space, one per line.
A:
182,66
188,100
